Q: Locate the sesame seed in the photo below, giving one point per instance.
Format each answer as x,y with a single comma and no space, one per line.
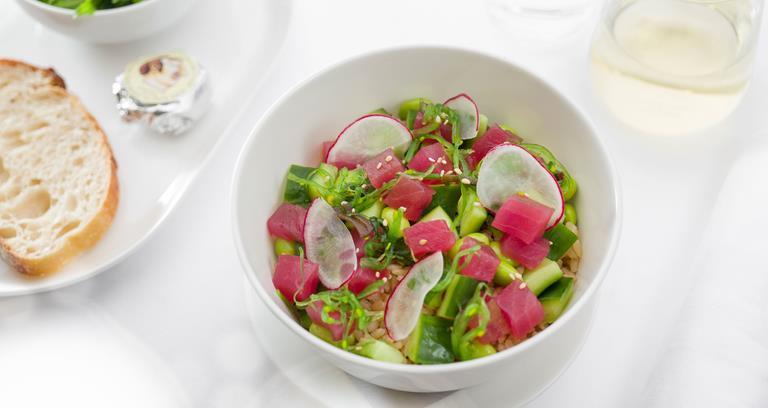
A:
449,172
457,171
522,285
353,211
344,203
465,181
437,119
384,279
422,241
518,275
477,204
378,165
431,160
404,209
388,159
357,250
384,222
364,186
378,274
442,173
550,242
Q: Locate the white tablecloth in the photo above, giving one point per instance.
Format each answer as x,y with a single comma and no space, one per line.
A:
173,323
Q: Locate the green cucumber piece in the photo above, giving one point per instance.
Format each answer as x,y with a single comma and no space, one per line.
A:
477,236
482,125
411,105
374,210
459,291
433,300
380,111
294,192
547,273
438,213
446,196
324,176
505,273
471,216
496,246
395,231
476,350
323,334
284,247
304,320
562,240
570,213
555,299
380,351
430,341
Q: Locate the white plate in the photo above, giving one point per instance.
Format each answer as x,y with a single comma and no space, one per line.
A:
154,172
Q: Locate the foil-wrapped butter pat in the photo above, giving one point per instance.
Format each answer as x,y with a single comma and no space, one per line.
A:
168,92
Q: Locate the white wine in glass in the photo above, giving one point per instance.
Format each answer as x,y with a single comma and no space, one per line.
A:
674,66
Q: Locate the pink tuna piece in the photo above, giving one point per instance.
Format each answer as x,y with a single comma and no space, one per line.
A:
497,324
287,222
482,263
520,308
523,218
528,255
411,194
428,155
492,137
427,237
290,279
315,312
363,277
383,167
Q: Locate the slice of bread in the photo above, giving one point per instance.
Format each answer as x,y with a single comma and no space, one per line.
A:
58,178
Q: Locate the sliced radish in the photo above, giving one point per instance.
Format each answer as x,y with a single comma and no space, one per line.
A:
366,137
509,169
468,112
329,244
404,305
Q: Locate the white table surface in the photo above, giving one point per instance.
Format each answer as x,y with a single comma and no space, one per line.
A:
176,324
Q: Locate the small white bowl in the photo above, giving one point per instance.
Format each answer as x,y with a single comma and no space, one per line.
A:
314,111
115,25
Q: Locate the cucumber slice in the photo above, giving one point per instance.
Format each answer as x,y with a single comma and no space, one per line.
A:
555,299
471,216
430,341
562,240
380,351
374,210
476,350
323,334
477,236
438,213
411,105
324,176
547,273
570,213
294,192
395,231
482,125
505,273
459,291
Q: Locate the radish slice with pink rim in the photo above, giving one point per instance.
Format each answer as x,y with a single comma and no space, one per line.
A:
468,112
404,305
366,137
510,169
329,244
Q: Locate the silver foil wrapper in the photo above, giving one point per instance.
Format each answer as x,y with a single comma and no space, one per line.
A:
172,116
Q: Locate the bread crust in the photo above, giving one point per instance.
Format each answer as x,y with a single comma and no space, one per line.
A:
91,233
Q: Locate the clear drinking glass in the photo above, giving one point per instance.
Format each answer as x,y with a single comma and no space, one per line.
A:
674,66
540,19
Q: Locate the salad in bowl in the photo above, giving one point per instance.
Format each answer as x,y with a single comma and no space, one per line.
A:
430,235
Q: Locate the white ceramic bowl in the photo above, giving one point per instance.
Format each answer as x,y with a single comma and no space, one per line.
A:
116,25
291,132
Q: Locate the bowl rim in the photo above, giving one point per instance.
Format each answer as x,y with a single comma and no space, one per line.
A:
66,11
395,368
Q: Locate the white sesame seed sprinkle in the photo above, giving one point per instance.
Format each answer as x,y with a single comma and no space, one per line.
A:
522,285
353,211
404,209
378,274
384,279
442,173
388,159
431,160
344,203
449,172
457,171
378,165
357,250
465,181
477,204
422,241
384,222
